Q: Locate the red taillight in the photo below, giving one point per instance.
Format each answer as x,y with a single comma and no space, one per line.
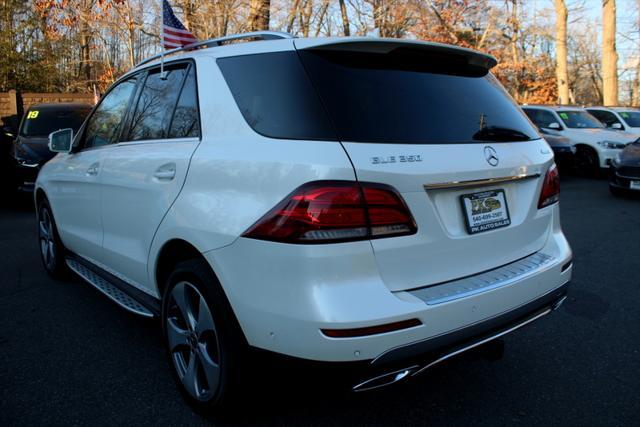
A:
335,211
550,193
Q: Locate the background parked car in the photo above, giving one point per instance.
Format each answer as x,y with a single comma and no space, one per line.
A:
625,170
30,150
618,118
8,132
595,145
563,150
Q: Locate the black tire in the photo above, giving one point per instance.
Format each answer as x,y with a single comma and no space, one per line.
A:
51,247
617,192
224,345
586,162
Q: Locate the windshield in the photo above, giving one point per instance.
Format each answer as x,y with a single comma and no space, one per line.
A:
632,118
579,120
405,96
43,122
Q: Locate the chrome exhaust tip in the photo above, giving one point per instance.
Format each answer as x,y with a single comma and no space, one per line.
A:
385,379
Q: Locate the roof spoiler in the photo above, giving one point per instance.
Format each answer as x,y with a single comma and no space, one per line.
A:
376,45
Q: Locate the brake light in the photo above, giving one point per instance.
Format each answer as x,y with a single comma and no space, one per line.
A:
335,211
550,193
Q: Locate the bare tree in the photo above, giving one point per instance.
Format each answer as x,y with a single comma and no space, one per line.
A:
259,15
609,53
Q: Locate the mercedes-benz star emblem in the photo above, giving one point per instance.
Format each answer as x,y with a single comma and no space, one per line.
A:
491,156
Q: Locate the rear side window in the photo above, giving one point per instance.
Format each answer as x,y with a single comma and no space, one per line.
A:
275,96
404,96
154,109
186,122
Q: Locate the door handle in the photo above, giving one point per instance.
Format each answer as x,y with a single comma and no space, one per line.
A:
166,172
93,169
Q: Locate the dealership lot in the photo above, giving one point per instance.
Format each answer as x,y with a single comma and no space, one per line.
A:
69,355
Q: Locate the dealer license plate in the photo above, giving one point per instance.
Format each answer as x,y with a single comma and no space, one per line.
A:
485,211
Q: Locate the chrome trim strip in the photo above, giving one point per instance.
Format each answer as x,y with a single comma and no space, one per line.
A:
479,182
111,291
484,341
492,279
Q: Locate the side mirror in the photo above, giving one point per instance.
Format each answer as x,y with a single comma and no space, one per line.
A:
617,126
61,141
8,130
554,125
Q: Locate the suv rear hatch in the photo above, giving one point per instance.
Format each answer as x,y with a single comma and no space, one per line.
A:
427,119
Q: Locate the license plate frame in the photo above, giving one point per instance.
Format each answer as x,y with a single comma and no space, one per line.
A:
488,216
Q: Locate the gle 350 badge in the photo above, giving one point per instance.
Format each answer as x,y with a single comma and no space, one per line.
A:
402,158
485,211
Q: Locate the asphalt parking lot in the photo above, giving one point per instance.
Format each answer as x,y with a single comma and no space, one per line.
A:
70,356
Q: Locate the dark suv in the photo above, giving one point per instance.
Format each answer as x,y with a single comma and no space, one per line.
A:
30,150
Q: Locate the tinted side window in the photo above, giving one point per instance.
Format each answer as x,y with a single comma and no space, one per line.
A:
275,96
605,117
186,122
156,103
104,125
541,118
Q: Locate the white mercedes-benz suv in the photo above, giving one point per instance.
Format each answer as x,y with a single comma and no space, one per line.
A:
380,202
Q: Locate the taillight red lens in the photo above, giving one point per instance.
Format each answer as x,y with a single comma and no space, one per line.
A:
332,211
550,193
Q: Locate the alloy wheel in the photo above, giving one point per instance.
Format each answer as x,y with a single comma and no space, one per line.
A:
47,242
193,341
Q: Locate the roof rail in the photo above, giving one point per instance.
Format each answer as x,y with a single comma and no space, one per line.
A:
262,35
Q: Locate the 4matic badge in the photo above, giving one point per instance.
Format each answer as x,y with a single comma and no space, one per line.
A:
403,158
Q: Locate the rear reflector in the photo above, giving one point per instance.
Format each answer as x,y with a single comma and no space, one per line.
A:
550,193
335,211
371,330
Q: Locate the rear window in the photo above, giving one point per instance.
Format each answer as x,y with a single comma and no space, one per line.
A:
404,96
41,122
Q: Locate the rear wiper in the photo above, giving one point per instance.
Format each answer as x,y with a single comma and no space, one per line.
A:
499,134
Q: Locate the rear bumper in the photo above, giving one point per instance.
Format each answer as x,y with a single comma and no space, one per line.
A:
285,295
435,348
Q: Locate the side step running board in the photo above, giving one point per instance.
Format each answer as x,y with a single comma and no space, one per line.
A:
114,292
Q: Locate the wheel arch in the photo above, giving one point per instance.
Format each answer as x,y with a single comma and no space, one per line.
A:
170,254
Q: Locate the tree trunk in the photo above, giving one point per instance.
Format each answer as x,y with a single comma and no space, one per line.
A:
188,10
635,93
321,16
345,18
562,75
291,19
259,15
609,53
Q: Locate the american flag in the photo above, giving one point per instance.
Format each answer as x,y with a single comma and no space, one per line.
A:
174,34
